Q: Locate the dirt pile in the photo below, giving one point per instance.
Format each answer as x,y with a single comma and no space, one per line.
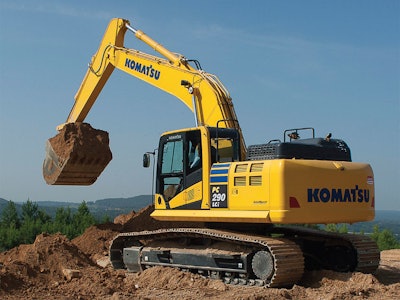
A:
54,267
124,218
142,221
95,241
76,155
51,266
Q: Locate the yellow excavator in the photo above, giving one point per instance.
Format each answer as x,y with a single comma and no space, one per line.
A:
247,199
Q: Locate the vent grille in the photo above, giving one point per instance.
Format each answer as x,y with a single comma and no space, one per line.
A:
240,181
256,167
190,194
255,180
241,168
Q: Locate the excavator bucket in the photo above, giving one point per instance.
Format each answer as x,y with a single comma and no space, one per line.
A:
76,155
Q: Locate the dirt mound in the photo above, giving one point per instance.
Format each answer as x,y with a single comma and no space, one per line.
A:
76,155
50,258
124,218
54,267
143,221
48,255
95,241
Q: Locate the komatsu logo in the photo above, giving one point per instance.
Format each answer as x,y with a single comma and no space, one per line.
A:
338,195
143,69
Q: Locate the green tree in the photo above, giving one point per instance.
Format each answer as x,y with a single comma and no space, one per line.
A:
105,219
9,227
340,228
9,216
30,211
63,216
82,219
385,239
43,217
29,230
9,237
331,227
63,222
343,228
34,222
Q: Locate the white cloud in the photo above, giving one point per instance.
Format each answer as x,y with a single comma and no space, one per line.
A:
285,43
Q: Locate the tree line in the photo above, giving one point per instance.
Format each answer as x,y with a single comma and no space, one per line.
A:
16,229
385,239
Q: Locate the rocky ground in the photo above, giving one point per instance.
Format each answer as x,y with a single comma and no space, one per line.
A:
54,267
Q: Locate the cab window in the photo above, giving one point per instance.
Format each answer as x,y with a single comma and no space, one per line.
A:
172,161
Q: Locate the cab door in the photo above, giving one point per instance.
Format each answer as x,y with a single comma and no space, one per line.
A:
179,170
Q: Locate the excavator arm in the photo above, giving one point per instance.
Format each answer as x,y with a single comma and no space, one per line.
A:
111,54
201,92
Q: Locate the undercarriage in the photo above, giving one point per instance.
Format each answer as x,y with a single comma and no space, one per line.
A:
275,260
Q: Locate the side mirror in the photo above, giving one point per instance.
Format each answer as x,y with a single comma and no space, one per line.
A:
146,160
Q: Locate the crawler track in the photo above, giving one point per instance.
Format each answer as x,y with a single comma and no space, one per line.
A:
287,263
283,258
335,251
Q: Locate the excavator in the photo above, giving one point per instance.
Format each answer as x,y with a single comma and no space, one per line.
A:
257,205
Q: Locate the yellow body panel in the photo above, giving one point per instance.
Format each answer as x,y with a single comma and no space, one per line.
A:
212,216
284,191
325,192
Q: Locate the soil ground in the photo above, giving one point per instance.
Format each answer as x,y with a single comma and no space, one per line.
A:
54,267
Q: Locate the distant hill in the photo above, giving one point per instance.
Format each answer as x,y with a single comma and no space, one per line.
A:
385,219
4,203
135,203
388,215
116,206
111,207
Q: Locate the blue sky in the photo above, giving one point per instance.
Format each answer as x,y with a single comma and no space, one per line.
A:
332,65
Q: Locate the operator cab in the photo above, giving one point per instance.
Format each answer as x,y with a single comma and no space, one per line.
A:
184,156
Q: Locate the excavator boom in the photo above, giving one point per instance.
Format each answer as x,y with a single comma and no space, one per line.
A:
201,92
